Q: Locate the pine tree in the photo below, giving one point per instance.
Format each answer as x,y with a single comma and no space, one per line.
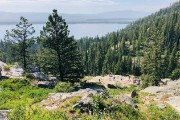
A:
22,39
67,60
173,61
151,64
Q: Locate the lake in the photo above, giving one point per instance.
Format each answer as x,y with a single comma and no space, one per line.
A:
77,30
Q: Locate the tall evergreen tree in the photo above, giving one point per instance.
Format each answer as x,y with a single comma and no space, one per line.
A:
151,64
173,63
67,60
22,39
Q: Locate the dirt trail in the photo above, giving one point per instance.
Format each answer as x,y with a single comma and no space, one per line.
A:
114,80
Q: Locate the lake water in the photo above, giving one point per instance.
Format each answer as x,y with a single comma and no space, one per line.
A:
77,30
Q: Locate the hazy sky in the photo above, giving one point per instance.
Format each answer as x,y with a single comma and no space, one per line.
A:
82,6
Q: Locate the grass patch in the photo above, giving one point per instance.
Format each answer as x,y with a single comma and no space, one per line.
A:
19,90
154,113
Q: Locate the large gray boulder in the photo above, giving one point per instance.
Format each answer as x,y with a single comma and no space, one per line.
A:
16,71
55,99
40,76
83,104
124,99
2,65
3,114
43,84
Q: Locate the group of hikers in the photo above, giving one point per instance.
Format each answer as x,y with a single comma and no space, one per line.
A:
113,77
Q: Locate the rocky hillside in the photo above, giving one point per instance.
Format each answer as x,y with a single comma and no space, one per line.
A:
169,93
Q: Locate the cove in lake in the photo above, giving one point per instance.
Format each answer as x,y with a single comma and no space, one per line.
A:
77,30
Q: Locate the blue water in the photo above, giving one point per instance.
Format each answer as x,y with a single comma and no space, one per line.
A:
77,30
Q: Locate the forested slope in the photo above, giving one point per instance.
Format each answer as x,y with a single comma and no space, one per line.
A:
149,46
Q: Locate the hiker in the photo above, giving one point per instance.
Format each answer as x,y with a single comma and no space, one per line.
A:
110,74
129,78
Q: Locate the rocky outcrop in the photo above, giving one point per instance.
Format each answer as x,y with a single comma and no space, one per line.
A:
16,71
124,99
56,99
40,76
84,103
85,100
3,114
43,84
169,93
2,65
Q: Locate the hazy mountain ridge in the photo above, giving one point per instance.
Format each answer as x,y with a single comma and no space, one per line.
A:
106,17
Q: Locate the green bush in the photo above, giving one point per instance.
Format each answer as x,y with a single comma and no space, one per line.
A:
7,68
103,108
14,84
175,74
30,76
64,87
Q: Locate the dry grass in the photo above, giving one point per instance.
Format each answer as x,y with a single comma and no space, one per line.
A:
165,97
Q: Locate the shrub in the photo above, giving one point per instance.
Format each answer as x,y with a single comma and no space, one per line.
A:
175,74
103,107
64,87
7,68
30,76
14,84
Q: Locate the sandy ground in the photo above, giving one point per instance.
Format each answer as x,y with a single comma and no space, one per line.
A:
169,93
114,79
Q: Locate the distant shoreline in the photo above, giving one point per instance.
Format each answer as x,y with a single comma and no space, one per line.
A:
96,22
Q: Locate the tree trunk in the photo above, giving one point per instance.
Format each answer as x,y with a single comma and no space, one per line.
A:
24,59
24,56
59,67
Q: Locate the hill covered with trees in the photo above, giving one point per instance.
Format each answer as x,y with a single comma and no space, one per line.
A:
147,47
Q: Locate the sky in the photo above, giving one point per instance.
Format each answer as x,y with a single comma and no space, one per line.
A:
82,6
